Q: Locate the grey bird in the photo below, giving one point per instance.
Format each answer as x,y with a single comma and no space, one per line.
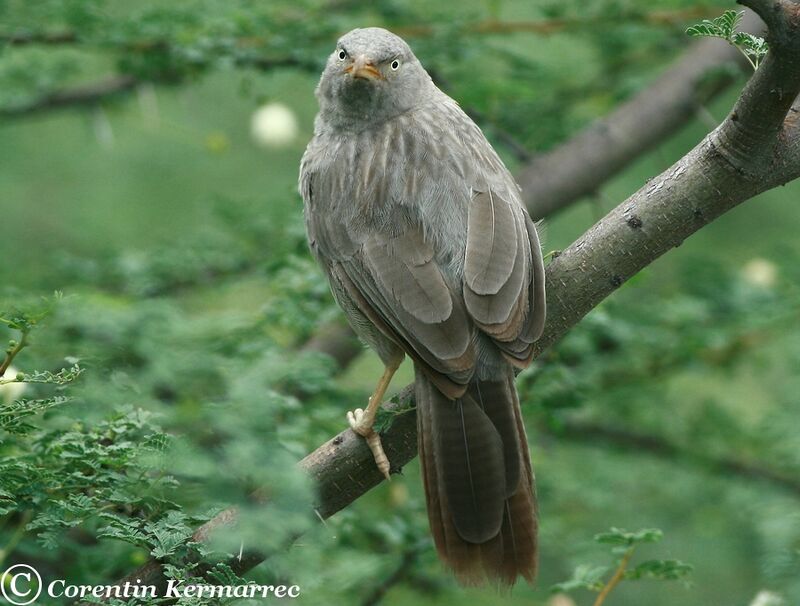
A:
430,252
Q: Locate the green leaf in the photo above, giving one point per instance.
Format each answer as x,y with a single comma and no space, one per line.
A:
664,570
753,45
584,577
618,536
723,26
12,415
729,21
385,418
122,529
169,534
62,377
25,320
705,29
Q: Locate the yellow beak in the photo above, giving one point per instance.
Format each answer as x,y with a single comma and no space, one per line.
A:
362,68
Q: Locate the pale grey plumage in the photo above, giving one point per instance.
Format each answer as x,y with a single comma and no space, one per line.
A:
430,251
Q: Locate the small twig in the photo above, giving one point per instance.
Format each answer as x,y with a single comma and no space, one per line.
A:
619,573
25,38
94,93
12,353
746,56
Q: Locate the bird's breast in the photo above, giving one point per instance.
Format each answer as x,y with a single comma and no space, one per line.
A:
393,174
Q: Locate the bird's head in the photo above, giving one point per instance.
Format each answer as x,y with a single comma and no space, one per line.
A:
371,76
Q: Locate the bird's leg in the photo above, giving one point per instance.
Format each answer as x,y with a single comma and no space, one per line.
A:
361,421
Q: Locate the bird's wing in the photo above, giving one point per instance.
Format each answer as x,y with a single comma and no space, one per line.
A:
396,283
504,275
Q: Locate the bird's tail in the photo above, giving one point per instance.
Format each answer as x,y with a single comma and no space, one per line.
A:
479,485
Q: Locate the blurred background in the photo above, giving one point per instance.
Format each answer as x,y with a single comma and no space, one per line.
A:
149,154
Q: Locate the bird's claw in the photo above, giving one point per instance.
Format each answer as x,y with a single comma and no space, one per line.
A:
358,423
363,427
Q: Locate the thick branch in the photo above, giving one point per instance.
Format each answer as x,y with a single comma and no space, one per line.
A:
88,94
759,114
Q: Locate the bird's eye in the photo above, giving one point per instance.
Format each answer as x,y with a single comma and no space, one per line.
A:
342,55
395,64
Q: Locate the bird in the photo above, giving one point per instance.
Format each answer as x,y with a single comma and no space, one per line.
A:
421,232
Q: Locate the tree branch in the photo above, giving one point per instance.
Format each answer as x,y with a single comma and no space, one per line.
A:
96,92
44,38
773,13
577,168
88,94
625,440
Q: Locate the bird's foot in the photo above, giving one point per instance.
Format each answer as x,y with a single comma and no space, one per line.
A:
362,425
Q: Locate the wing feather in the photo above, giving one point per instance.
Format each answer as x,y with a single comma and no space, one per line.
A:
491,243
494,311
536,319
513,313
397,284
404,267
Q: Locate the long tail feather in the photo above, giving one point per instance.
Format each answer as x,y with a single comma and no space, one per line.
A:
478,482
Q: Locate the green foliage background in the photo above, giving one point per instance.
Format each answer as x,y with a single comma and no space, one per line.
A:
187,288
